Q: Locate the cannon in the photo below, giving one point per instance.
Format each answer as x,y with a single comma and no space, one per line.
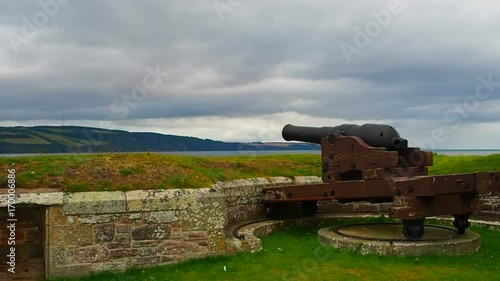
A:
372,162
375,135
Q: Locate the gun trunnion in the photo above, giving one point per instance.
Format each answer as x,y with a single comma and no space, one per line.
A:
373,163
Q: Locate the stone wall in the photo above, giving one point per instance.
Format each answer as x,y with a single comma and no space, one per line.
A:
243,198
110,231
101,231
491,206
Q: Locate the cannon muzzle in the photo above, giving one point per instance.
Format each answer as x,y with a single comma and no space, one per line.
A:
375,135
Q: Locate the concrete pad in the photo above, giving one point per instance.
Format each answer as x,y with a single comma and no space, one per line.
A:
388,239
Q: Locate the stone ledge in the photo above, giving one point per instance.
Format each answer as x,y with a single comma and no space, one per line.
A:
43,199
160,200
91,203
308,180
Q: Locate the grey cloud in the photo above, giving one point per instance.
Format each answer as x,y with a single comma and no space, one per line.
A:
92,53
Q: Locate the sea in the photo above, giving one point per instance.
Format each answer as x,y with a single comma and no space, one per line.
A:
449,152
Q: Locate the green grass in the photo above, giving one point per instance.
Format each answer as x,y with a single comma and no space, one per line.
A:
464,164
96,172
295,254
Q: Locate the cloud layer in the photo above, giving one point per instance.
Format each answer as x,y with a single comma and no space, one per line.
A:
240,70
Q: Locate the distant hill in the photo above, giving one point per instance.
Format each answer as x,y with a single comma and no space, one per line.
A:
74,139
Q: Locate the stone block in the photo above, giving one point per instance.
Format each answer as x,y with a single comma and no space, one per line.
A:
122,228
307,180
175,247
117,245
117,267
92,254
144,252
216,241
137,261
93,219
44,199
69,271
195,235
161,217
55,216
59,256
210,214
160,200
91,203
123,253
146,243
104,233
78,235
281,181
151,232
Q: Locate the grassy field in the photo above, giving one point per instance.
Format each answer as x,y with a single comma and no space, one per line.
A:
99,172
296,255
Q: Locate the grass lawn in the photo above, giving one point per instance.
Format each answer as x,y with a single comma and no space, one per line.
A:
100,172
296,255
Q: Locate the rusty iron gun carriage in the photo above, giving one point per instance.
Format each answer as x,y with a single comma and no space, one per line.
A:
373,163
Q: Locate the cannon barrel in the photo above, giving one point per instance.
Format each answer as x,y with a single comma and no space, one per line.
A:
375,135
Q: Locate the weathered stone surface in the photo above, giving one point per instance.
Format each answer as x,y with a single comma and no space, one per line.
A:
161,217
123,238
93,219
173,247
145,252
104,233
161,200
44,199
123,253
145,260
195,235
80,235
92,254
210,214
171,259
132,217
118,245
151,232
307,180
117,267
280,181
69,271
241,183
55,216
146,243
216,240
91,203
122,228
59,256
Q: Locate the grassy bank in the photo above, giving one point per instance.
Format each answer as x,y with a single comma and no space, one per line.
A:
148,170
296,255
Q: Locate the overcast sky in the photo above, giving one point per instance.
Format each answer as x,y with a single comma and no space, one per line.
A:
239,70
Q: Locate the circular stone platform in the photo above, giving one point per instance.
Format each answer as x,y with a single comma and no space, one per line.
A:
388,239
